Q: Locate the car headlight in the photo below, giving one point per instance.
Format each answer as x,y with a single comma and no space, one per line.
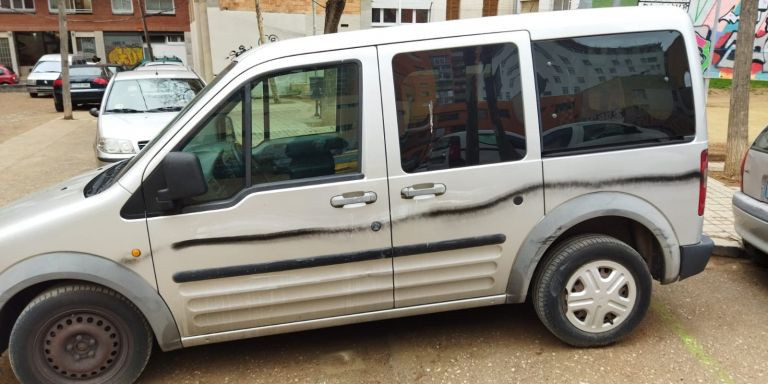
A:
116,146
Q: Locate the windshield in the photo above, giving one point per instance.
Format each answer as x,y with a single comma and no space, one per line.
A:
130,162
47,66
151,95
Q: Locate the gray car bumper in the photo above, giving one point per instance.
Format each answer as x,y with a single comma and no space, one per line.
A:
751,220
694,257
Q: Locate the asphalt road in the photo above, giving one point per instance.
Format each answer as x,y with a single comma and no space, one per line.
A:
711,328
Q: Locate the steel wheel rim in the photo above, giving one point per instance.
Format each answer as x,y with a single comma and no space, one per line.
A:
599,296
82,346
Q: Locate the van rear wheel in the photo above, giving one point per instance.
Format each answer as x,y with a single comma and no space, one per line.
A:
80,334
592,290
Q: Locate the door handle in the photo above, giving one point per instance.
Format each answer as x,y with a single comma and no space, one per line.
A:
353,199
426,190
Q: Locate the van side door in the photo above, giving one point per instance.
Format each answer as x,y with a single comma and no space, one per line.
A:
294,225
465,177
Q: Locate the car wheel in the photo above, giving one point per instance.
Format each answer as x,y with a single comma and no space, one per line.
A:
757,256
33,95
59,106
592,290
79,334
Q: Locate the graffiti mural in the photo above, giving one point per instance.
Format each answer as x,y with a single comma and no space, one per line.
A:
721,30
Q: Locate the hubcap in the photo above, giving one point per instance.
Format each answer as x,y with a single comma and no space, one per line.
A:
599,296
81,345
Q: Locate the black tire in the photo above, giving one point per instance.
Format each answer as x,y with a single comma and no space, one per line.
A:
758,257
81,334
58,105
33,95
549,294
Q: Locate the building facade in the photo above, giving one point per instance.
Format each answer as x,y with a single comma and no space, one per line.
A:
109,29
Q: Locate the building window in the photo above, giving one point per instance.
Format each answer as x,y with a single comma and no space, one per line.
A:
86,46
5,52
160,6
122,7
73,6
17,5
389,16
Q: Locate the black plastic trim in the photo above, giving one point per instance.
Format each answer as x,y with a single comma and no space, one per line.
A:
694,258
342,258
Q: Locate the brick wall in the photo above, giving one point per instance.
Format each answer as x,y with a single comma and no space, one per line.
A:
102,19
285,6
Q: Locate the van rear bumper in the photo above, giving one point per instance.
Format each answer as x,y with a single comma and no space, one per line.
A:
694,257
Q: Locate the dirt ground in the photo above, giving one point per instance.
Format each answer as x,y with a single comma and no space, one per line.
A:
718,104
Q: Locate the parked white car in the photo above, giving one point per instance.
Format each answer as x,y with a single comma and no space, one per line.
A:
137,105
44,73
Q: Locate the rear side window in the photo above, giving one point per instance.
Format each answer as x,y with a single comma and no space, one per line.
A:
761,143
459,107
600,93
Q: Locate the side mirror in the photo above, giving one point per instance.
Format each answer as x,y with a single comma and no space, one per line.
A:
94,112
183,177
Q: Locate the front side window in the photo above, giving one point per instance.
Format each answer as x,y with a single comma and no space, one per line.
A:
73,6
620,95
160,6
122,6
303,125
459,107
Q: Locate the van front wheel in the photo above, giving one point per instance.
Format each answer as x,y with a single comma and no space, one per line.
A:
80,334
592,290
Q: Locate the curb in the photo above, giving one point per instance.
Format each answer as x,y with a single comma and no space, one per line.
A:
728,248
13,88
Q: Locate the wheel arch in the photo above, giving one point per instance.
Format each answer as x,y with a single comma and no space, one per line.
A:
20,283
585,214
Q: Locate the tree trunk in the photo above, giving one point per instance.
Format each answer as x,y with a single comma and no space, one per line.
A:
260,21
333,11
738,117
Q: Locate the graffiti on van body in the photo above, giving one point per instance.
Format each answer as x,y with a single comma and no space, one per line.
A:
726,25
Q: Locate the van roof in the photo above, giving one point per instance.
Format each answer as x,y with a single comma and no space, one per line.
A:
540,26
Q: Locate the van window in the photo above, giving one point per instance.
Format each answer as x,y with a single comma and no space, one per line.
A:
312,127
630,89
459,107
304,124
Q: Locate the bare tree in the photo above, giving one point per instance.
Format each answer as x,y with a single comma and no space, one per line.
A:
333,11
738,117
262,40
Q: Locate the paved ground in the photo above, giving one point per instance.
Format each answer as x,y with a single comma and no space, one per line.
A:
718,218
711,328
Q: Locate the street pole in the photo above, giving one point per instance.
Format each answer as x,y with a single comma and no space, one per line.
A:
146,32
205,36
64,48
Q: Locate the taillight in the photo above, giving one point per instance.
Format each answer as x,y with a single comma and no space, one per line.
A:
100,81
703,167
57,83
741,178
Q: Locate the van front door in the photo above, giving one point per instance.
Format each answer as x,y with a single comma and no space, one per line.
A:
294,225
464,165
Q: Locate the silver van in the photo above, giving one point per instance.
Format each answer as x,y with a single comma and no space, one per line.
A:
296,192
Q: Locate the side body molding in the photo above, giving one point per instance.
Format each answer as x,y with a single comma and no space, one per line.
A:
98,270
583,208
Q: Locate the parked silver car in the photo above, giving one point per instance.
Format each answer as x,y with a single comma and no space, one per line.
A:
137,105
750,206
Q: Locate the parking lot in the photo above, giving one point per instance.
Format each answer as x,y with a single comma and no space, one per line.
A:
711,328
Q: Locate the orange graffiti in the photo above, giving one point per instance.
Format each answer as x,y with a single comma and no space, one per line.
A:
125,55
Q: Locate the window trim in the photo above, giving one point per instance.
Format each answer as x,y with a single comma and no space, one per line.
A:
171,11
13,9
252,189
121,12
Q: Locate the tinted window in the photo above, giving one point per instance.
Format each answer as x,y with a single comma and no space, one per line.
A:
761,143
459,107
311,129
628,89
85,71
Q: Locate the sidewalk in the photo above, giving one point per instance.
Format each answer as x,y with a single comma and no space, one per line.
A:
718,219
